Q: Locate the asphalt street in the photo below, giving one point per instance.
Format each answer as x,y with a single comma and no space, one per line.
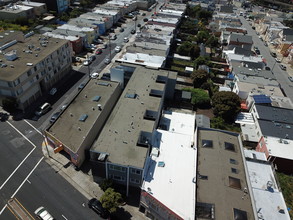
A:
25,175
281,75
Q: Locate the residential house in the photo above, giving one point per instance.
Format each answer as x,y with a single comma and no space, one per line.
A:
269,200
222,176
240,40
58,6
38,8
174,139
15,11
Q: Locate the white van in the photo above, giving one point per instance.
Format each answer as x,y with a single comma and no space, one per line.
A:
43,109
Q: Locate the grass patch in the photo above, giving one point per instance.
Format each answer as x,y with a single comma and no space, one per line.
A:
183,62
219,123
286,183
177,68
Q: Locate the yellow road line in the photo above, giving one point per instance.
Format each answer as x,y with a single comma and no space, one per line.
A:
13,212
24,208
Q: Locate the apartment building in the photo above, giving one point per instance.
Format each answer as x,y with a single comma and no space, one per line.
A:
121,150
31,65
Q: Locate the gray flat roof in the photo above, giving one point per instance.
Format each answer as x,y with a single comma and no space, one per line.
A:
151,51
20,64
237,69
121,132
257,80
217,185
66,128
9,35
275,114
276,129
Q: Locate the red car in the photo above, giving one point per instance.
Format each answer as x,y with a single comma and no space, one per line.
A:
98,51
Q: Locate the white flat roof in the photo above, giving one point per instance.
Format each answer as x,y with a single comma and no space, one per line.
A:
252,154
277,147
37,4
143,59
173,184
245,118
105,11
244,58
60,36
268,200
165,20
75,28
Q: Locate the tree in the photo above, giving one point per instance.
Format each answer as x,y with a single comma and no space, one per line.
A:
111,200
212,41
202,36
201,60
184,48
199,77
105,184
226,105
194,51
199,98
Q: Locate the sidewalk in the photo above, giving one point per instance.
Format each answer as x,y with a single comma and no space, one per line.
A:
81,181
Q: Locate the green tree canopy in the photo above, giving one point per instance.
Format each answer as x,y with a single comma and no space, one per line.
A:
199,77
212,41
202,36
226,105
111,200
199,97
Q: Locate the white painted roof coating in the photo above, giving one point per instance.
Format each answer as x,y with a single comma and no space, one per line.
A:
143,59
173,184
268,200
277,147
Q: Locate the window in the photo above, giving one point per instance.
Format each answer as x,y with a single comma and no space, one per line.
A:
234,170
234,182
232,161
207,143
229,146
239,214
117,168
117,178
35,68
135,171
136,181
205,210
29,73
16,82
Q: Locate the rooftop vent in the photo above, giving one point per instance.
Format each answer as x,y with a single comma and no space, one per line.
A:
161,79
156,93
96,98
144,139
150,115
83,117
131,95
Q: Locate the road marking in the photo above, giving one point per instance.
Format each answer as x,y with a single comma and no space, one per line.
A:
33,127
64,217
23,159
27,212
28,181
3,209
13,213
27,177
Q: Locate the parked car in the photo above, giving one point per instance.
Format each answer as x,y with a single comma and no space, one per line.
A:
99,51
107,61
266,44
139,25
81,86
283,67
96,205
53,91
113,37
145,19
92,58
143,14
278,60
64,106
273,54
267,68
117,49
95,75
132,31
125,39
43,214
54,117
257,52
121,30
43,109
290,78
87,62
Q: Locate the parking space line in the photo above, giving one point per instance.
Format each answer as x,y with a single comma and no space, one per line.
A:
23,159
3,209
13,213
27,176
34,127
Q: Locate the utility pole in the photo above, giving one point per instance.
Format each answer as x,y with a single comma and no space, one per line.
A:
110,47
